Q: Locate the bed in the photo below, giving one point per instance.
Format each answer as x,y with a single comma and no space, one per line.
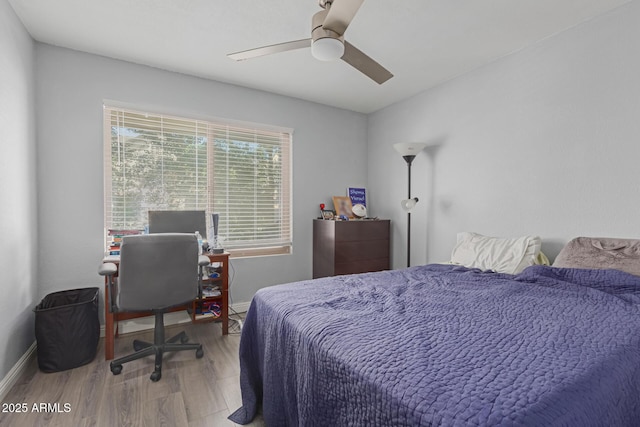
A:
445,345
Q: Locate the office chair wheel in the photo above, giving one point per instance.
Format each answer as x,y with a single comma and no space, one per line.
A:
155,376
116,369
199,353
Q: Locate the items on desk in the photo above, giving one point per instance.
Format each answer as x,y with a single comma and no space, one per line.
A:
116,239
211,291
215,242
212,271
209,308
200,246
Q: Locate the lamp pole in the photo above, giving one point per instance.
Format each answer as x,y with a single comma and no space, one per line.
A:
409,159
408,151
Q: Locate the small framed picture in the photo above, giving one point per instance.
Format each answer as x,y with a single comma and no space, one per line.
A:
342,204
328,214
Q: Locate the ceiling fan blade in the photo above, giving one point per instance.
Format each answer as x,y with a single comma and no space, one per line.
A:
340,15
268,50
361,62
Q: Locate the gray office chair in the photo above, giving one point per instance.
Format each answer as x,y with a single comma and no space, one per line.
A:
156,272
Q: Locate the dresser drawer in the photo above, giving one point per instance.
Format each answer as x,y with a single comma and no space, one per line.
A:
360,231
354,251
349,247
362,266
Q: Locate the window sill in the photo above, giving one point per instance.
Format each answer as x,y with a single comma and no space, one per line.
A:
259,252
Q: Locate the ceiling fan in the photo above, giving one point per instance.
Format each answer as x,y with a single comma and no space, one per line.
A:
327,40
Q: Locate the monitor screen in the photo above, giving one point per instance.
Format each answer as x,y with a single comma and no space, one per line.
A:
177,222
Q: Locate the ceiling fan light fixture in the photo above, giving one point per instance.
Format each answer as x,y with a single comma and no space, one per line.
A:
327,49
327,41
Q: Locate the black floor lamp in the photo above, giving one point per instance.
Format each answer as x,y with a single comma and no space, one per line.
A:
409,151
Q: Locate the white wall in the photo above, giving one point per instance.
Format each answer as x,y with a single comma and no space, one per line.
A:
18,285
329,154
544,141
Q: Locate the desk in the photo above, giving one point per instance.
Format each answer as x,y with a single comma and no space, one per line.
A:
111,319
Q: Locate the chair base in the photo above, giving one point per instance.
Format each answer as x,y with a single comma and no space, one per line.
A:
157,348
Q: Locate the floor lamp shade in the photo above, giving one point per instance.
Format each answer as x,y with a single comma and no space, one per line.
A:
409,148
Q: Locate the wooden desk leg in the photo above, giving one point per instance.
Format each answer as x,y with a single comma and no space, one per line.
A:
108,326
225,315
225,296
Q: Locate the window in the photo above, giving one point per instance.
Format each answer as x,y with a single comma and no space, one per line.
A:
160,162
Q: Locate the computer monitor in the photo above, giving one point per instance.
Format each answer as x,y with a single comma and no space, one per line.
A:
177,222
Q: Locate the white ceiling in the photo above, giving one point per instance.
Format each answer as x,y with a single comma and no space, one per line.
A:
422,42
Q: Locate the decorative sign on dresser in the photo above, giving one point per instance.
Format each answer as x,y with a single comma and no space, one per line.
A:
349,247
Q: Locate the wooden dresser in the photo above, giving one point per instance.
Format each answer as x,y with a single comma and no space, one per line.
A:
348,247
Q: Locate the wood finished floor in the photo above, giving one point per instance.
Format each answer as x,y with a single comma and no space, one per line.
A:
192,392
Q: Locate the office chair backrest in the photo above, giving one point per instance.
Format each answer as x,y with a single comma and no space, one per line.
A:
157,271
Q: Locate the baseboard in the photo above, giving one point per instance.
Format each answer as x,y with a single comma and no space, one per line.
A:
14,374
147,323
241,307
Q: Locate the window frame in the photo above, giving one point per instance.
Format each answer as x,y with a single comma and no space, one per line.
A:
255,248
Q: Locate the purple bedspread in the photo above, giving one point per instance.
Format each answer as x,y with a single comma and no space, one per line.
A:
445,345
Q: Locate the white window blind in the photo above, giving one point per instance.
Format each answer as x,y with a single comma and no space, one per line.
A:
161,162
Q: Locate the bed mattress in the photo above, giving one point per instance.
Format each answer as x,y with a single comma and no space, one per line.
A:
445,345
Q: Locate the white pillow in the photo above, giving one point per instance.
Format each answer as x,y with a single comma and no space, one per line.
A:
502,255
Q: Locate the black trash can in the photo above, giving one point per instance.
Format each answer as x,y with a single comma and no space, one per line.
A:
67,329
